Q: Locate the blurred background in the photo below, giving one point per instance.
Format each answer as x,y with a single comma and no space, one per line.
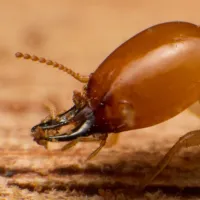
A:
78,34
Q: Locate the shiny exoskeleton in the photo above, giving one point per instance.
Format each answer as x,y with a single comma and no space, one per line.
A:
147,80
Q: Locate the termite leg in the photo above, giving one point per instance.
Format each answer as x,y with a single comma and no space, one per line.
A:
80,136
102,140
195,109
188,140
112,140
81,139
102,144
51,108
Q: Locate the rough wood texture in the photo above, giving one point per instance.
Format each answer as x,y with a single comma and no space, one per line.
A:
81,34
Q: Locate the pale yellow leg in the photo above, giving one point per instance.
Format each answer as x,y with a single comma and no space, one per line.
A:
112,140
188,140
51,108
81,139
101,138
94,153
195,109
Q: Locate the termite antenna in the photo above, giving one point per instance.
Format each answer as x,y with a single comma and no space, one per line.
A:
77,76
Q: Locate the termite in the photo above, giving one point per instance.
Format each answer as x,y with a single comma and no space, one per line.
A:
150,78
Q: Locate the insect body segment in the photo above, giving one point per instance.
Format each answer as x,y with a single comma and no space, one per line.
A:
147,80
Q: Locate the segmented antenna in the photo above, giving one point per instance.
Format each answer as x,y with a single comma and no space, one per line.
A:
77,76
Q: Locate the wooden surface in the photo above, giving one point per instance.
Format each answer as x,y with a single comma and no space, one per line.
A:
80,34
